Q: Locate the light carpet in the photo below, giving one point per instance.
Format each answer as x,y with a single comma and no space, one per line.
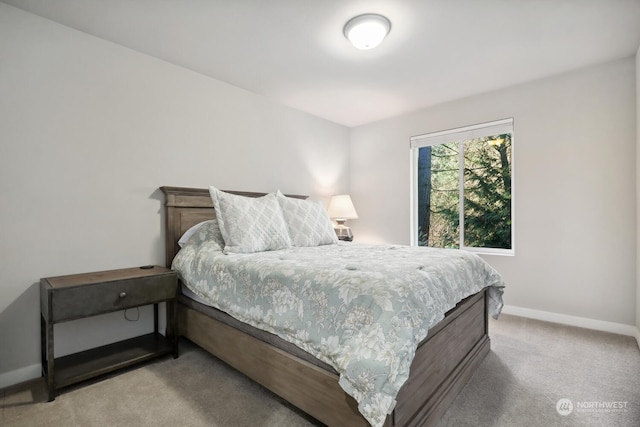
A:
532,365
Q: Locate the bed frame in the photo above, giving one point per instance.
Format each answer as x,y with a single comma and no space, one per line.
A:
443,363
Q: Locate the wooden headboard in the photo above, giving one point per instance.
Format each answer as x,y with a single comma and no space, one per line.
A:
185,207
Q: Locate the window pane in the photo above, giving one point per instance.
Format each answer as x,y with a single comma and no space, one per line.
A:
487,192
463,184
438,196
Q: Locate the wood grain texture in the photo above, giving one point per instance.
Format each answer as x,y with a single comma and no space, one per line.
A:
443,364
106,276
82,301
97,361
66,298
306,386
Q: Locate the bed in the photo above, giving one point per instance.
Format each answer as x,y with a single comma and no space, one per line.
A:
443,362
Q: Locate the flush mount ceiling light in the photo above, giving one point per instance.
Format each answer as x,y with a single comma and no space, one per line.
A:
367,31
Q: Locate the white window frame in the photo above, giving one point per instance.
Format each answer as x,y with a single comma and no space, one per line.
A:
459,135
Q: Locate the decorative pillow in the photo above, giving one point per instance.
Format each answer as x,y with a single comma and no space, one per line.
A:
250,224
201,232
307,221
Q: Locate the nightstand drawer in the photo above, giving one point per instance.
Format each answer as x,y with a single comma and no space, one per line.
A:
82,301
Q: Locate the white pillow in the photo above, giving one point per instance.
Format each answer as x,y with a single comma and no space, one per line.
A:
250,224
203,231
187,234
307,221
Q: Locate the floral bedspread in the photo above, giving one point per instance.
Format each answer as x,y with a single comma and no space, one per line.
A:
363,309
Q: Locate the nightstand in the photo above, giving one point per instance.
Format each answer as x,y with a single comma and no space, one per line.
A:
77,296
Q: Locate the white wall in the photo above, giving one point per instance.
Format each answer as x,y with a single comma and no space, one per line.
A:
638,194
88,132
574,191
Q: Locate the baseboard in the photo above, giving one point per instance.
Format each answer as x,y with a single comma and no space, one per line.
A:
20,375
638,336
581,322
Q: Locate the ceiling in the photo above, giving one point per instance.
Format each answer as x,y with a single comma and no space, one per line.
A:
294,52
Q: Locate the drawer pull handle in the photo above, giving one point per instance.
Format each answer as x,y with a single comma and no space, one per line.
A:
122,294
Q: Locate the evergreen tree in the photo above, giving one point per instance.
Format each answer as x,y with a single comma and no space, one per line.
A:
487,193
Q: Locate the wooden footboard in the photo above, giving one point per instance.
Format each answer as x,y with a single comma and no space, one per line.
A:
308,387
443,364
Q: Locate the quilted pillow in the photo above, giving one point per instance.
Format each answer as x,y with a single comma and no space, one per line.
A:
307,221
250,224
205,231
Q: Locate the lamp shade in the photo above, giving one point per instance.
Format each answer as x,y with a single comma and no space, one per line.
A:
341,207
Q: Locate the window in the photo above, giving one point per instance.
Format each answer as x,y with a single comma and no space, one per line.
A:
462,188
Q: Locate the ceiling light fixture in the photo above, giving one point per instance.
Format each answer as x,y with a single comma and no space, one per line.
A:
367,31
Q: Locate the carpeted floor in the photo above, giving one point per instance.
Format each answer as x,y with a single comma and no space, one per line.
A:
534,364
531,367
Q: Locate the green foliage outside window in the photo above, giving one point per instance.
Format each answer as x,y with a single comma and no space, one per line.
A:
485,188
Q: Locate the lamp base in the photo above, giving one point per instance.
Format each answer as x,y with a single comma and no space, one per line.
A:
343,232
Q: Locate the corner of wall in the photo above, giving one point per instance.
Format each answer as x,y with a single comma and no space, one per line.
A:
638,194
